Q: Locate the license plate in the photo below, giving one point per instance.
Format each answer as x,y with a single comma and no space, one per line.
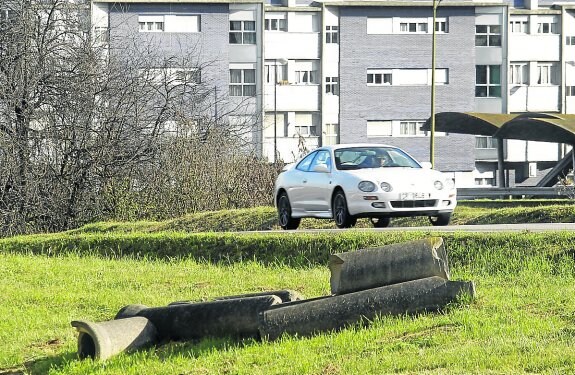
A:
412,196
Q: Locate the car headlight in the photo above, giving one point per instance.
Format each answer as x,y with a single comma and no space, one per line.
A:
386,187
366,186
438,185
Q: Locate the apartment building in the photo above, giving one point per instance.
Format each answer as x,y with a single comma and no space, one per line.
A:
321,72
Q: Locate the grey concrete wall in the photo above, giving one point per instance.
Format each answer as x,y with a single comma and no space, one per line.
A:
359,102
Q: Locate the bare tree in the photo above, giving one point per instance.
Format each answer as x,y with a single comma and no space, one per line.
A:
89,133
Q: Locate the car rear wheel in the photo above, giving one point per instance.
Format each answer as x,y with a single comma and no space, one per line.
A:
440,220
340,212
286,221
380,222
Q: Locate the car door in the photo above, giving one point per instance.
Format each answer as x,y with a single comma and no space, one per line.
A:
297,184
318,184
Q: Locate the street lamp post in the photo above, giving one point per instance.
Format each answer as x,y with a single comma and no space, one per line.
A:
276,61
432,127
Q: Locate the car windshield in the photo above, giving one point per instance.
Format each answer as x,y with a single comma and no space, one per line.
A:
372,157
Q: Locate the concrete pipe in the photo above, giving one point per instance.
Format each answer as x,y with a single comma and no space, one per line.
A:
187,321
285,295
336,312
102,340
386,265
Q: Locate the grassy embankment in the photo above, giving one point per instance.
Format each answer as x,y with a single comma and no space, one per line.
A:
522,321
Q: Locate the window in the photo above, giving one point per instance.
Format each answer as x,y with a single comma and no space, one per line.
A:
306,72
275,24
441,26
518,27
331,85
413,27
377,128
330,134
101,34
378,77
242,32
151,23
182,23
547,28
187,76
519,74
488,35
485,142
306,124
331,34
305,163
242,82
547,74
570,40
271,68
321,158
569,90
411,127
488,81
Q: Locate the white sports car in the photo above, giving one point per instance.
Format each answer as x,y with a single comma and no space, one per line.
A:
344,182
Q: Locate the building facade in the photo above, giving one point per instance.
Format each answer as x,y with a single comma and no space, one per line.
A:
316,73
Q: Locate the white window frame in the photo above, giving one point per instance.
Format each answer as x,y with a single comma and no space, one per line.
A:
275,22
414,26
330,134
243,32
519,73
518,26
306,72
546,73
245,86
305,129
488,84
441,25
410,128
379,77
151,23
570,40
490,31
332,85
270,70
569,90
547,27
332,34
484,142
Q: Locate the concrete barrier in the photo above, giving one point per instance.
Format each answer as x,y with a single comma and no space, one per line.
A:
103,340
336,312
374,267
233,317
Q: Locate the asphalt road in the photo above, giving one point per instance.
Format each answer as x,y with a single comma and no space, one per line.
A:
531,227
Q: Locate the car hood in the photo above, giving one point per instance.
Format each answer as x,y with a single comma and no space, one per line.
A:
400,176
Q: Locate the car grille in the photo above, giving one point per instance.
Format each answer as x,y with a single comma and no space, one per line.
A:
414,203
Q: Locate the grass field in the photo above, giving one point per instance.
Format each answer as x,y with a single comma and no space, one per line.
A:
522,321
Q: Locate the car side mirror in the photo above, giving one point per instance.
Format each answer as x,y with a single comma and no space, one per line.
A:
426,165
321,168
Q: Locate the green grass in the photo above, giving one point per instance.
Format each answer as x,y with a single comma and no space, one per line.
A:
522,321
265,218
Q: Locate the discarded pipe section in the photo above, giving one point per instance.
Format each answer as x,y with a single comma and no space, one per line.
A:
403,278
303,319
391,264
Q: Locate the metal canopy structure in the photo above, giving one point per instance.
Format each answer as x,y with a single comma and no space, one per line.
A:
530,126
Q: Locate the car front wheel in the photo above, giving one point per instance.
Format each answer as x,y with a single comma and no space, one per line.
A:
340,212
440,220
286,221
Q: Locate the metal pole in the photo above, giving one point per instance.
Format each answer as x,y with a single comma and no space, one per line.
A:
275,110
432,135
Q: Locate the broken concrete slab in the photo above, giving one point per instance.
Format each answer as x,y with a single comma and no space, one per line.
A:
225,318
391,264
336,312
103,340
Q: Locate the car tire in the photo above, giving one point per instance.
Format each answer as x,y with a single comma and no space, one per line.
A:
380,222
340,212
440,220
285,220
